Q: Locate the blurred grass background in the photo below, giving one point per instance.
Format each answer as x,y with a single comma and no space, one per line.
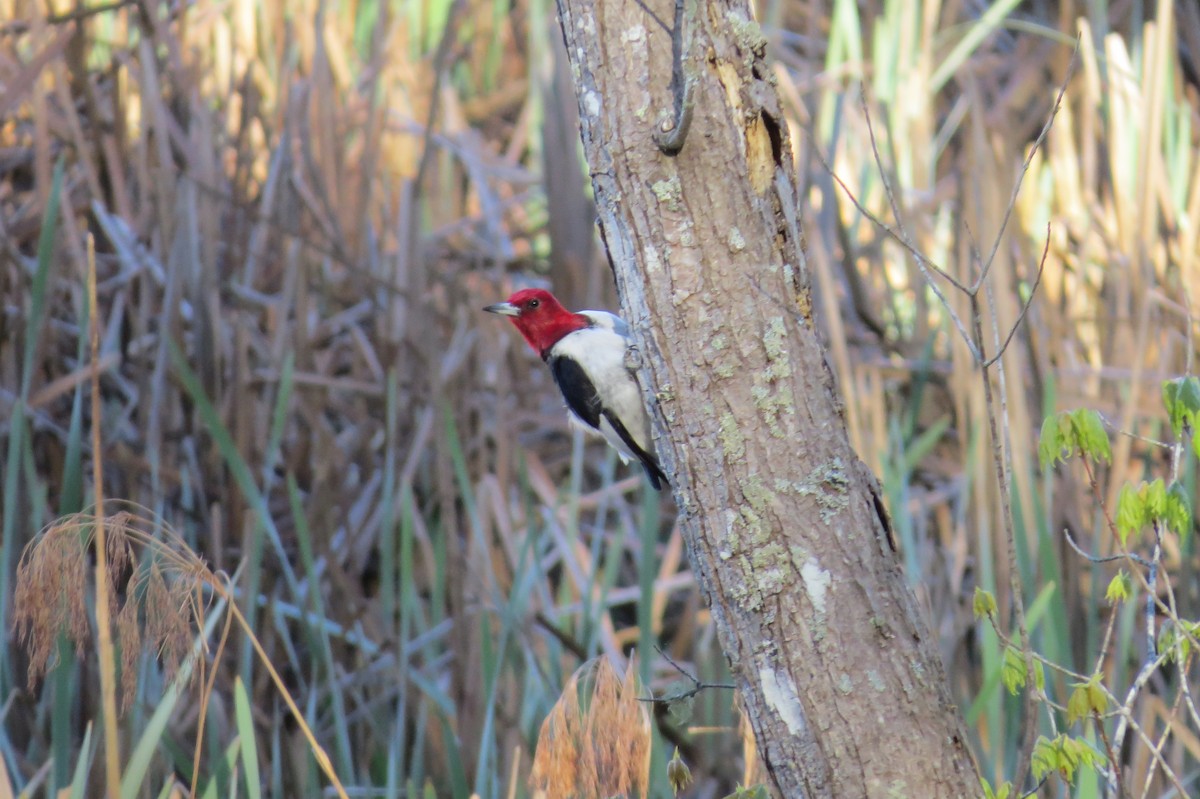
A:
299,210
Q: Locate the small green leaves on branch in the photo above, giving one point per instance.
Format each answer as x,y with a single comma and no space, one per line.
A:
1012,673
1151,503
1063,756
1069,433
1176,645
679,697
1002,791
1181,398
678,773
1119,588
984,604
1086,698
1178,514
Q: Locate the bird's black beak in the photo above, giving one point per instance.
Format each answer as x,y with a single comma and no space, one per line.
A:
504,309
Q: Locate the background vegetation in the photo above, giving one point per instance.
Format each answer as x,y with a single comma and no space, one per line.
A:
299,209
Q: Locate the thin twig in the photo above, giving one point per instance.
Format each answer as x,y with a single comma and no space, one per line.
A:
19,27
1158,758
1002,459
206,692
923,263
1138,559
1037,144
887,188
1033,791
1113,759
569,641
1136,437
1037,281
697,684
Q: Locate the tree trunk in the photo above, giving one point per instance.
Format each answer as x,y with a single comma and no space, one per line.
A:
841,679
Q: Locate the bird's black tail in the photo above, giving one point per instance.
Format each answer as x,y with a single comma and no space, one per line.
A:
657,478
653,471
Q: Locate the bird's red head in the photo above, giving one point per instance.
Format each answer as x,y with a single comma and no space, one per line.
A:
540,317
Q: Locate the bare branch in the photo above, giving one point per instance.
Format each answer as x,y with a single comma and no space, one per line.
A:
1138,559
887,188
923,263
1037,281
1012,202
697,684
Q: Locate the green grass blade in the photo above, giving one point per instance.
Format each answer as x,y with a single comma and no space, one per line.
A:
37,297
18,428
319,639
167,788
83,765
234,460
966,46
246,739
214,789
143,752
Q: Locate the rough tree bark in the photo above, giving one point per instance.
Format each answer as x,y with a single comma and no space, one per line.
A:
841,679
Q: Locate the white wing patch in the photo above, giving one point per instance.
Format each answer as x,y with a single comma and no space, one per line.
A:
600,351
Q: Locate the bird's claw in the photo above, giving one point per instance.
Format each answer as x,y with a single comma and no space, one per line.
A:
633,358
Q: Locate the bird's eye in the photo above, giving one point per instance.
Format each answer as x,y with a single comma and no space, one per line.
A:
534,303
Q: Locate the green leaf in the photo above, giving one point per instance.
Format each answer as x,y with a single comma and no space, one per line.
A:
972,37
1097,699
1051,444
1077,705
1178,515
1045,757
1119,588
1170,396
984,603
1177,647
1063,755
1090,436
1131,512
680,710
678,773
1012,673
1001,792
1156,499
1086,698
1078,432
1181,398
1189,396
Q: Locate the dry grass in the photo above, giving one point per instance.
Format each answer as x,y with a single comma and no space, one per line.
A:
595,743
297,216
162,606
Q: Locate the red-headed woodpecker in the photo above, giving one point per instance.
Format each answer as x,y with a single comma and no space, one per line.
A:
586,354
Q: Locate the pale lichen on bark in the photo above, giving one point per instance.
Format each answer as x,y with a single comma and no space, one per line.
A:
817,582
779,692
